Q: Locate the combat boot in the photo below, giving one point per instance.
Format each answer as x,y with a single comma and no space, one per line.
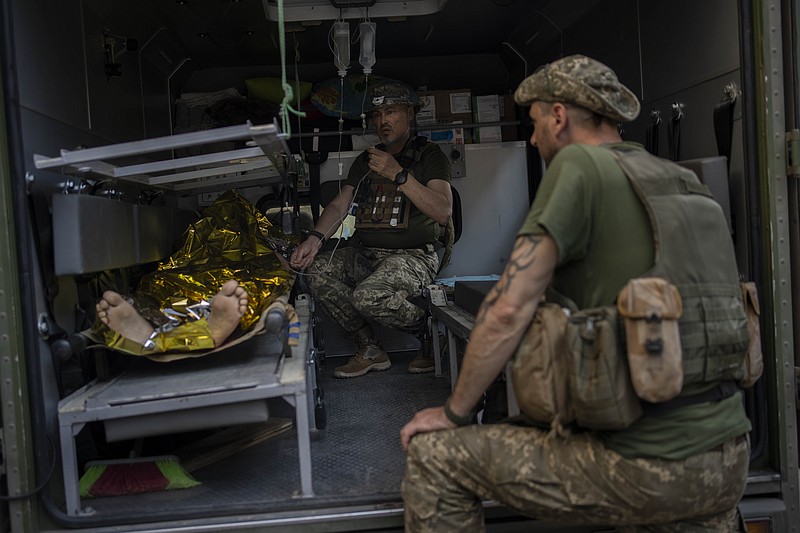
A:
421,363
367,358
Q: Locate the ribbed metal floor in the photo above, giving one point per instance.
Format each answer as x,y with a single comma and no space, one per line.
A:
356,458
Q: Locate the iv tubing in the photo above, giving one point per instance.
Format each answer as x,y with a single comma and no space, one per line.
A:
288,92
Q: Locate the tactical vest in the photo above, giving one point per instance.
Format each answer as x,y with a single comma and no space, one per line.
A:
694,251
379,204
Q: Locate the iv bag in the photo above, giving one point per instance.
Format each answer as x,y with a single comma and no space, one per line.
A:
367,56
341,46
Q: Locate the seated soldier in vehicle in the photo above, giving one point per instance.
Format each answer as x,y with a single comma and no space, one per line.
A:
399,192
682,464
221,281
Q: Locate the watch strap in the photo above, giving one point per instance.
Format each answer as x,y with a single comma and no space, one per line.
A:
318,235
454,418
404,173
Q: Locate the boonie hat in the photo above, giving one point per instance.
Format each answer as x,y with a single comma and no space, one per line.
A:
390,93
582,81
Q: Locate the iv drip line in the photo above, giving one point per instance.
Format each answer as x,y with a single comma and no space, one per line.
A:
288,91
366,57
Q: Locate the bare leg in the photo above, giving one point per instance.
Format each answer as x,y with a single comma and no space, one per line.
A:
116,313
227,308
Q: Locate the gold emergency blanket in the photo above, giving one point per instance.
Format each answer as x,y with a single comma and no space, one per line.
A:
233,240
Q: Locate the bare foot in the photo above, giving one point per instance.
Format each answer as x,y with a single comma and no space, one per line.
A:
227,308
116,313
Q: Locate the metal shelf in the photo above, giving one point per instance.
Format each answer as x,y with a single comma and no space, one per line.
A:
267,157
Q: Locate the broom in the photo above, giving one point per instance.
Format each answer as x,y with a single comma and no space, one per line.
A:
134,476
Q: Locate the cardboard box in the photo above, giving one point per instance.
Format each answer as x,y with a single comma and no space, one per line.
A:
495,108
487,109
444,106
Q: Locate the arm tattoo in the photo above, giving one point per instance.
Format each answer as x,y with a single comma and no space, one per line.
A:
521,260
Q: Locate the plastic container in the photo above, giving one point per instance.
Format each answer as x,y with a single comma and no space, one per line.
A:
367,56
341,46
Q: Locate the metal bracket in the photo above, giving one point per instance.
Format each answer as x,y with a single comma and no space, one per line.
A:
793,153
47,327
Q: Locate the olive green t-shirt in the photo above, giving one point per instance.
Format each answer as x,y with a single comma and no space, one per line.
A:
431,164
604,238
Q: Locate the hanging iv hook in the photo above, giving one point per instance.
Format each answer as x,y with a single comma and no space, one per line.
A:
677,111
655,116
732,91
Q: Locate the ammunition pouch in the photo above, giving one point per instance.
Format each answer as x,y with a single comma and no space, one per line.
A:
538,370
651,308
572,367
382,207
601,391
753,360
569,369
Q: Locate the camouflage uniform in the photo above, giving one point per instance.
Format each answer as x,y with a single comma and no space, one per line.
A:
366,282
356,283
573,479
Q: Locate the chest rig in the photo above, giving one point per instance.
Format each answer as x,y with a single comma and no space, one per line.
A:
379,203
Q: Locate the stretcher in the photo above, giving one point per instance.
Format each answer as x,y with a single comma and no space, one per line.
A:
227,387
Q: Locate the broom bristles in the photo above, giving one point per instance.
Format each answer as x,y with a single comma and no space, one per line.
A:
134,476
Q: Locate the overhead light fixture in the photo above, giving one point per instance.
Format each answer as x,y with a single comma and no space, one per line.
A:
300,10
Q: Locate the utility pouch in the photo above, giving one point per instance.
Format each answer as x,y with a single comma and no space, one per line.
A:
753,361
600,389
651,308
538,370
385,207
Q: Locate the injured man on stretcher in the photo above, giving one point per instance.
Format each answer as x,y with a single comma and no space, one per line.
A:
214,291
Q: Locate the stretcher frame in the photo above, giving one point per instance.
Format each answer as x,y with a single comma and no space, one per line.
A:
269,374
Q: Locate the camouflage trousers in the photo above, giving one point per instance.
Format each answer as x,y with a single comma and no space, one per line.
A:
355,284
574,479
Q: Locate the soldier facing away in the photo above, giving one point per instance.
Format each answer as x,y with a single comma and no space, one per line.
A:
682,465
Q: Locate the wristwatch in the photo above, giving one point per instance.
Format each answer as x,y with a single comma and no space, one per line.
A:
401,177
318,234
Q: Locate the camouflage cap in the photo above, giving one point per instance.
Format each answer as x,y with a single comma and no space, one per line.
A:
582,81
390,93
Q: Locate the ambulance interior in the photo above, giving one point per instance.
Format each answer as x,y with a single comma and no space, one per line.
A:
134,116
